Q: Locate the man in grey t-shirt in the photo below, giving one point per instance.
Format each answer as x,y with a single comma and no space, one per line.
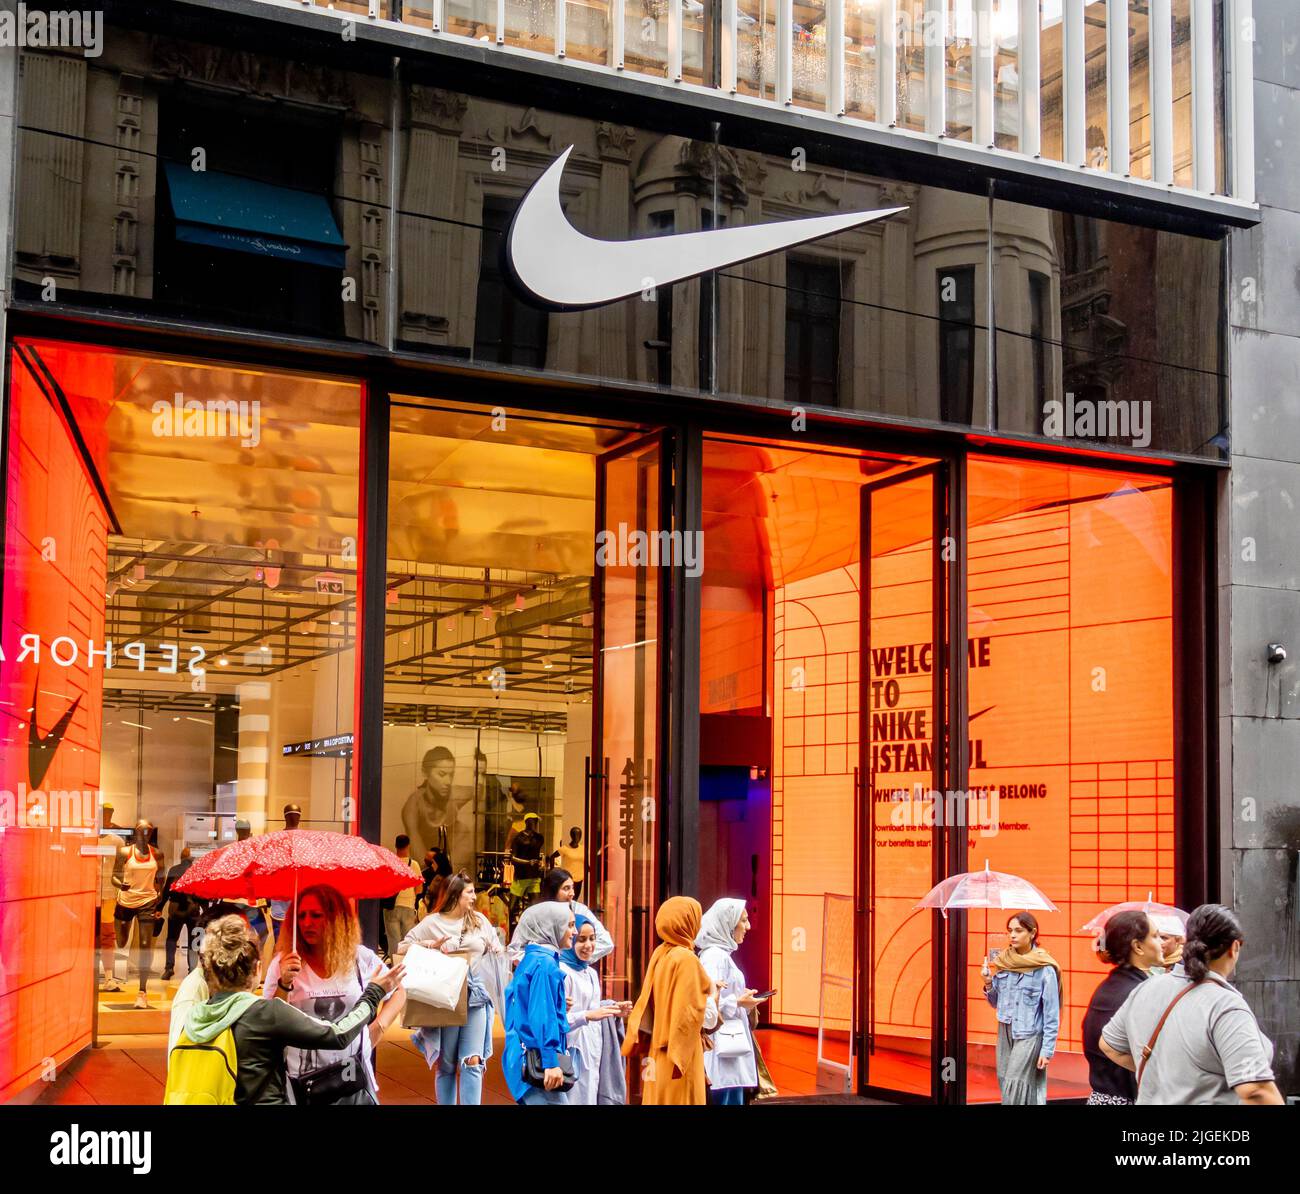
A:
1210,1050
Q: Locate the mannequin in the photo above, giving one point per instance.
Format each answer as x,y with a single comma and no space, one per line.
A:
109,844
138,876
182,913
280,908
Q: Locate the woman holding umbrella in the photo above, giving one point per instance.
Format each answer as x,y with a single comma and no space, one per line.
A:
260,1029
1023,983
321,871
323,976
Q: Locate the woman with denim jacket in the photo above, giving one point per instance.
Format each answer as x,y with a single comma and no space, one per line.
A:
1023,983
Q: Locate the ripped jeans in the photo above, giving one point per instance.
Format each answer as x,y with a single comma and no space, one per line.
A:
458,1043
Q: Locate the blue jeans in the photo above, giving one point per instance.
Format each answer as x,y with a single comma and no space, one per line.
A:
729,1096
535,1096
458,1043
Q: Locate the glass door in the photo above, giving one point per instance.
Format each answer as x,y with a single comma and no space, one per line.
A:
901,767
633,488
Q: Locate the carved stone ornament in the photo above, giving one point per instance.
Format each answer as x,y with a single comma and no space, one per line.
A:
814,191
699,160
614,141
529,128
434,107
898,194
251,73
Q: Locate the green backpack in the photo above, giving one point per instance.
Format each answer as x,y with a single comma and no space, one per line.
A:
202,1075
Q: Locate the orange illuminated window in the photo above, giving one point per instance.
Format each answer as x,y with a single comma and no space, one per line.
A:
1071,714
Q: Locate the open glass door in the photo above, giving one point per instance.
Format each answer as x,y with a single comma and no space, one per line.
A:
624,772
901,746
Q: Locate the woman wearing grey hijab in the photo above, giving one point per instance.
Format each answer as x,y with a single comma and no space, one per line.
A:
536,1015
730,1065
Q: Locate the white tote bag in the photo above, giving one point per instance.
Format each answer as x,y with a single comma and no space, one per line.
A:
731,1040
434,977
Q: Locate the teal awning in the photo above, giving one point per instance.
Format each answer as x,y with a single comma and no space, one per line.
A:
228,212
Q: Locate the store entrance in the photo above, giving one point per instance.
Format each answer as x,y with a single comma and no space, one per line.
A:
902,722
802,750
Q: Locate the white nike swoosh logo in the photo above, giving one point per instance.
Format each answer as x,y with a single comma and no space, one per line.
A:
559,265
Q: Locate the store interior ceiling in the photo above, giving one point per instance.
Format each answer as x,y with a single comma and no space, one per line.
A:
249,549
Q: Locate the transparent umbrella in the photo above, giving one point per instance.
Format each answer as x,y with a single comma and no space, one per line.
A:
985,889
1168,920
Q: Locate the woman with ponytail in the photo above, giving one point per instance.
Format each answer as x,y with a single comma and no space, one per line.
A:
1190,1036
1131,944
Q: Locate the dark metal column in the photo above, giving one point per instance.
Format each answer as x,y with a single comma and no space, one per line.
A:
368,717
958,771
682,724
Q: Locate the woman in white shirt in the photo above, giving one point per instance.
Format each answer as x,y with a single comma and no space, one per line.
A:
586,1010
325,976
730,1065
458,927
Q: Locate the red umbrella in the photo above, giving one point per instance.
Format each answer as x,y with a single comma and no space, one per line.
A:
277,865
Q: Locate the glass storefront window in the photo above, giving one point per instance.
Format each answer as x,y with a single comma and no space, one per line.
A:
178,630
497,597
1071,717
781,736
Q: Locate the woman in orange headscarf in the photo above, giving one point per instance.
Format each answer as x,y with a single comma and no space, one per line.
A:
678,1002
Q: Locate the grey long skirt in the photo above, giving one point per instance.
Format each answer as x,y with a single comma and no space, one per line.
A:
1020,1080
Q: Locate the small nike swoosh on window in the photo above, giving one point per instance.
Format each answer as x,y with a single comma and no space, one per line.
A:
564,268
41,748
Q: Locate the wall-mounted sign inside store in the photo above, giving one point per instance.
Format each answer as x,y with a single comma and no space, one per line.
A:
336,746
553,262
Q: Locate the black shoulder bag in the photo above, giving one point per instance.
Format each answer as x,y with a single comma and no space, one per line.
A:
332,1082
535,1072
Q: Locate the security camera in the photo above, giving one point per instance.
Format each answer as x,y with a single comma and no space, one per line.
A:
1276,652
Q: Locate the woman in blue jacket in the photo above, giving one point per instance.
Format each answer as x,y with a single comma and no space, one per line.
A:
536,1016
1023,983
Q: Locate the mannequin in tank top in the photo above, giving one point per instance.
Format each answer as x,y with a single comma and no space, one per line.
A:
138,878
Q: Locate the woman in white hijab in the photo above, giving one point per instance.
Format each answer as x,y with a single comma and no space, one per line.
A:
730,1065
536,1016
